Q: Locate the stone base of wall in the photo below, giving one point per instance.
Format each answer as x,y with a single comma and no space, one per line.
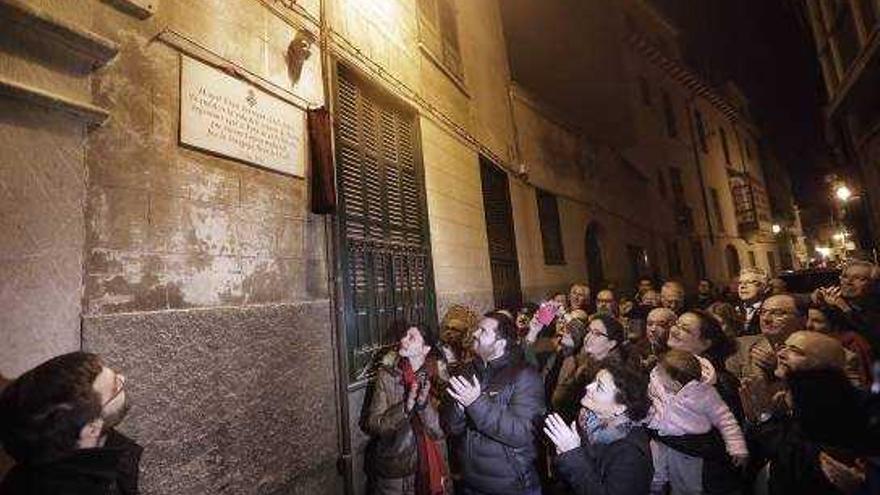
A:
227,400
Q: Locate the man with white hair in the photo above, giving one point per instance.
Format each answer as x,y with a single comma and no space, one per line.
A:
672,297
855,300
752,290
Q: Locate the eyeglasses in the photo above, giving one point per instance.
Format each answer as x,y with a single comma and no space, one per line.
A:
118,388
756,283
777,314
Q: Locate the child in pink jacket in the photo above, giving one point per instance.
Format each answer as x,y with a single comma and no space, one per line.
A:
685,402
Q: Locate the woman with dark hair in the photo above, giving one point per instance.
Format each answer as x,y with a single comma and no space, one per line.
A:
700,333
606,451
404,455
858,350
602,345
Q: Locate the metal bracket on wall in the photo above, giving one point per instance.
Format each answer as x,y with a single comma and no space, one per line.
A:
188,46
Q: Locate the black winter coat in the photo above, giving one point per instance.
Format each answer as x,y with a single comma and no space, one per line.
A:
495,439
623,467
108,470
794,459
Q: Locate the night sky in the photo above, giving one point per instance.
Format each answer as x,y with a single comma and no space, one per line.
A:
766,48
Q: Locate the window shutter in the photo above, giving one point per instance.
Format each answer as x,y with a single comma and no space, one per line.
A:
551,234
501,236
385,247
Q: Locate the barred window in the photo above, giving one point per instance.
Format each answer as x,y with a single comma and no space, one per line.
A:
551,233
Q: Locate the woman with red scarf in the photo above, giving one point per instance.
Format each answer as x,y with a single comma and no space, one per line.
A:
404,455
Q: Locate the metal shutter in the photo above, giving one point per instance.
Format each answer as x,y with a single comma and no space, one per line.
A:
383,232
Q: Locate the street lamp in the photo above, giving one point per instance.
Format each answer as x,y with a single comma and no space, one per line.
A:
776,228
843,193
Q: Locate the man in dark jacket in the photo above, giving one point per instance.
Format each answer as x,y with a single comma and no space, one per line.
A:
752,291
56,421
805,458
493,418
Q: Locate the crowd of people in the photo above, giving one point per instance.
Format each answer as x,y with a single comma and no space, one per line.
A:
751,389
747,390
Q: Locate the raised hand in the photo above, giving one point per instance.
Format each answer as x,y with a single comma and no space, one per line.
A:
847,479
564,437
764,359
833,298
463,391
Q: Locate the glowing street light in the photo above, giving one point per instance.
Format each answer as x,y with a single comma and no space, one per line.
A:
843,193
776,228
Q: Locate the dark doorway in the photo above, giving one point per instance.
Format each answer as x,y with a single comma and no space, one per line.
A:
502,238
732,256
592,244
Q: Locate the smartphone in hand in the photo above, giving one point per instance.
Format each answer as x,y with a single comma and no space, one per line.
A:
546,312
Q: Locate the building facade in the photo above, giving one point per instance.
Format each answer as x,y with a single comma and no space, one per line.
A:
847,38
467,170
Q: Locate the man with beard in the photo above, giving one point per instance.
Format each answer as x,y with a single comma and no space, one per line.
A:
495,408
57,422
814,431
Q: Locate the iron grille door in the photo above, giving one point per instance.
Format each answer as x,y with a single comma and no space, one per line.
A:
385,249
502,241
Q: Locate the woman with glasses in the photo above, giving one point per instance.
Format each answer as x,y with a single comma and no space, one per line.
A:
602,345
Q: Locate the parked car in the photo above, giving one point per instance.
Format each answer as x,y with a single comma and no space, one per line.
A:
806,281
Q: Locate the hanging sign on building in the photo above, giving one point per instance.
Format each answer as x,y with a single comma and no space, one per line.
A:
230,117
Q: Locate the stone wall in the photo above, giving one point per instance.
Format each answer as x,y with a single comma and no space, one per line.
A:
206,278
44,186
46,109
227,400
